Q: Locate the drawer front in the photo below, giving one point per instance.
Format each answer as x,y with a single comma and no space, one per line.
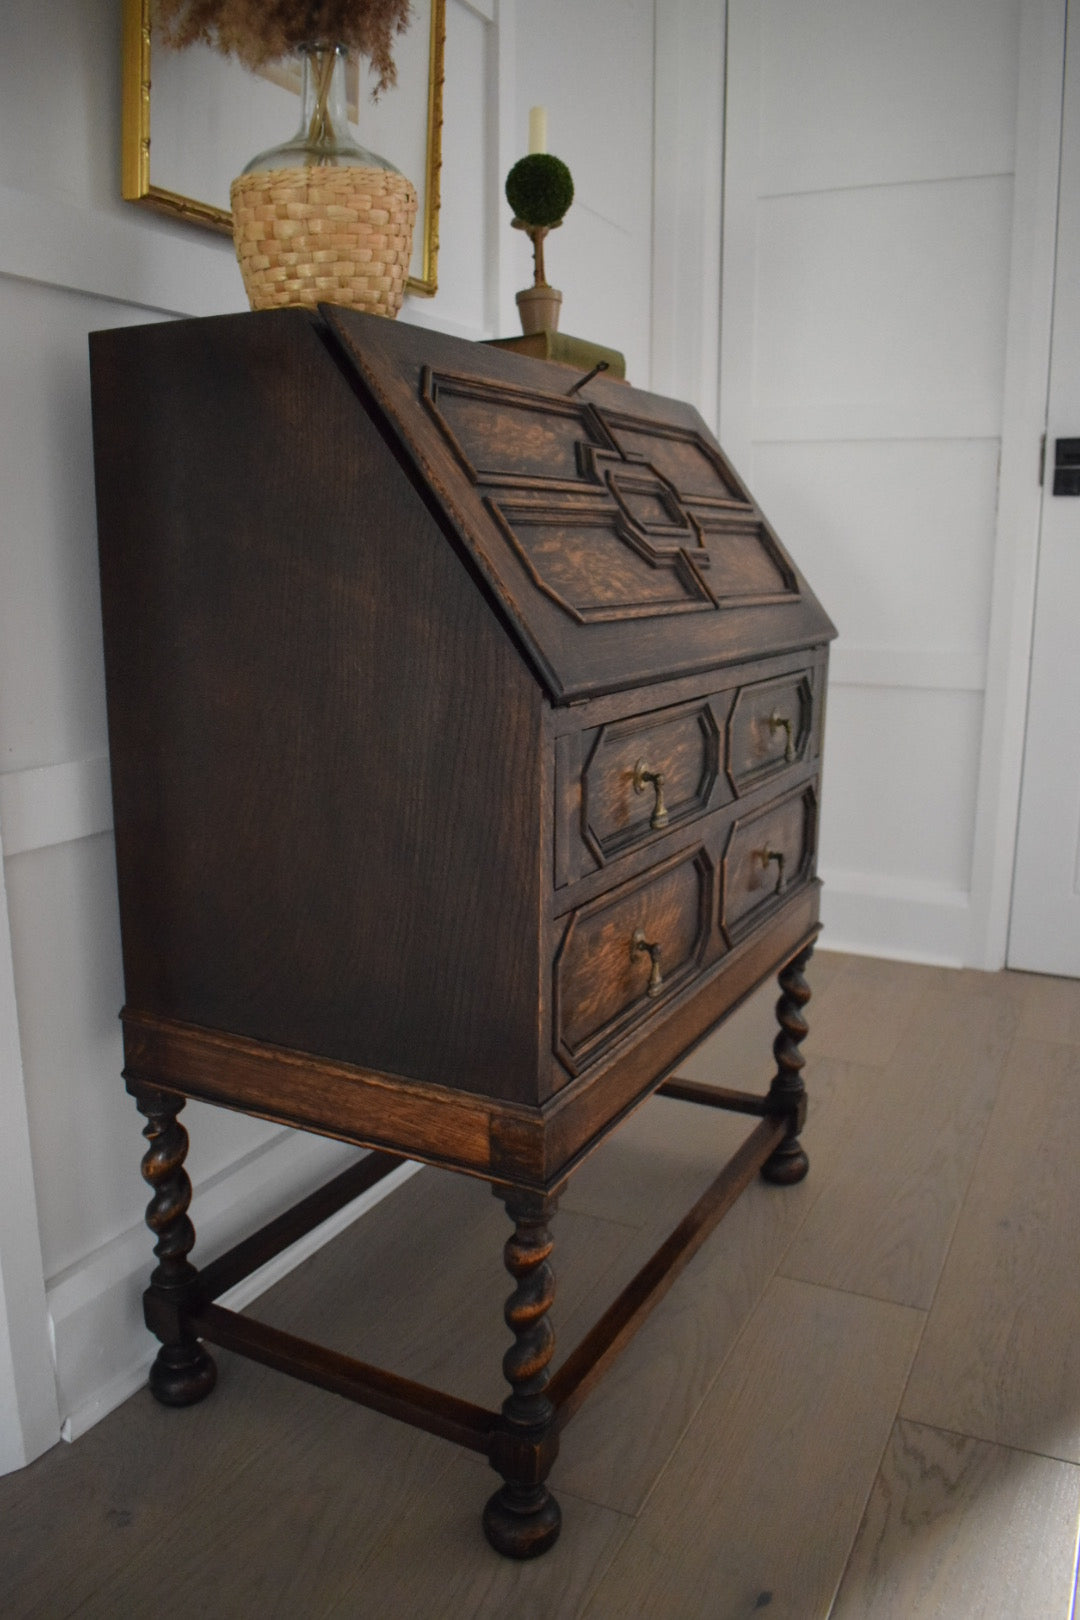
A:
623,956
647,774
767,855
770,729
621,786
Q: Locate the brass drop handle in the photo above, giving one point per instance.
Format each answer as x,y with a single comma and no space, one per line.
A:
642,777
767,855
640,946
780,722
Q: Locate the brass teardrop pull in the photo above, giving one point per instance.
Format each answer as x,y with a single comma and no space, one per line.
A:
640,946
767,855
780,722
642,777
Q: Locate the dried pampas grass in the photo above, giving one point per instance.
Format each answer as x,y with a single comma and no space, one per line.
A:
259,31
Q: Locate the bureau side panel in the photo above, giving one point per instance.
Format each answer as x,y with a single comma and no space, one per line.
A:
326,752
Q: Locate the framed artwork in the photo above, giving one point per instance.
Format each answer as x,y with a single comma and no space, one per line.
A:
191,119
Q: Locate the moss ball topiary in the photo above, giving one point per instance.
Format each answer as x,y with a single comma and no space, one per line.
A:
539,189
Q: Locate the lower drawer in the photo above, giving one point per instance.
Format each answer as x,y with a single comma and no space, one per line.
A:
767,854
623,955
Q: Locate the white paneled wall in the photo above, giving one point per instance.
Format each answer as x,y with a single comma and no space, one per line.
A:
869,243
74,1256
877,341
73,258
592,67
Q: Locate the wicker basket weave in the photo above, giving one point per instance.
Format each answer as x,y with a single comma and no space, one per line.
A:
324,235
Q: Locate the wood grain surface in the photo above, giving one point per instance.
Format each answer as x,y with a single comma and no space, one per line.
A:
1051,1011
865,1010
778,1462
418,1571
1001,1356
493,434
884,1220
959,1528
745,1455
326,754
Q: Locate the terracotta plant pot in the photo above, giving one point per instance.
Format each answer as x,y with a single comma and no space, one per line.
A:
539,309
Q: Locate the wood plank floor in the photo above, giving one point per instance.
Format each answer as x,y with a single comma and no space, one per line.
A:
861,1398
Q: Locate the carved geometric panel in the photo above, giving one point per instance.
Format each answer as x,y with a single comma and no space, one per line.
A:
590,560
678,453
629,518
647,502
511,435
744,561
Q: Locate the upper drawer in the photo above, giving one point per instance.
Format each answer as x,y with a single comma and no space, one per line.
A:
770,728
626,784
651,772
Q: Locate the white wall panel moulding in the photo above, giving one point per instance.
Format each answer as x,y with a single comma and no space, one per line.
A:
504,134
889,293
129,256
901,919
933,96
55,804
931,416
688,144
29,1420
159,266
939,669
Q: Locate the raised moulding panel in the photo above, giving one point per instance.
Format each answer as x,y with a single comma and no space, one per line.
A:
628,517
602,981
901,783
596,564
685,739
768,853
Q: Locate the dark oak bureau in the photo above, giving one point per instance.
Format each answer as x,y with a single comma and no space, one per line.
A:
465,718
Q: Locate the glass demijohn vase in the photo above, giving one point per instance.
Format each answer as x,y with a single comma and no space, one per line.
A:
319,219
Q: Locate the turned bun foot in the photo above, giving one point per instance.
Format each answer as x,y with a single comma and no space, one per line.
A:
182,1374
786,1166
526,1527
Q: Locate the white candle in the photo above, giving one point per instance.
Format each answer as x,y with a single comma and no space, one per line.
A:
537,129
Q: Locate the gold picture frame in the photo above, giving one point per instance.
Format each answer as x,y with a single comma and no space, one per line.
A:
137,185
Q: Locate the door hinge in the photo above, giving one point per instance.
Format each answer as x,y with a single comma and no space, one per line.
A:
1042,460
1066,467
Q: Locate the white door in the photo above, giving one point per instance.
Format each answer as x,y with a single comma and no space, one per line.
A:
1044,932
870,170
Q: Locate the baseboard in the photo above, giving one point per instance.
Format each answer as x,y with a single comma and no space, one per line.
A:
901,919
102,1347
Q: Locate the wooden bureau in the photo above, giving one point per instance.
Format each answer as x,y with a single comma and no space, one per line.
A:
465,720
